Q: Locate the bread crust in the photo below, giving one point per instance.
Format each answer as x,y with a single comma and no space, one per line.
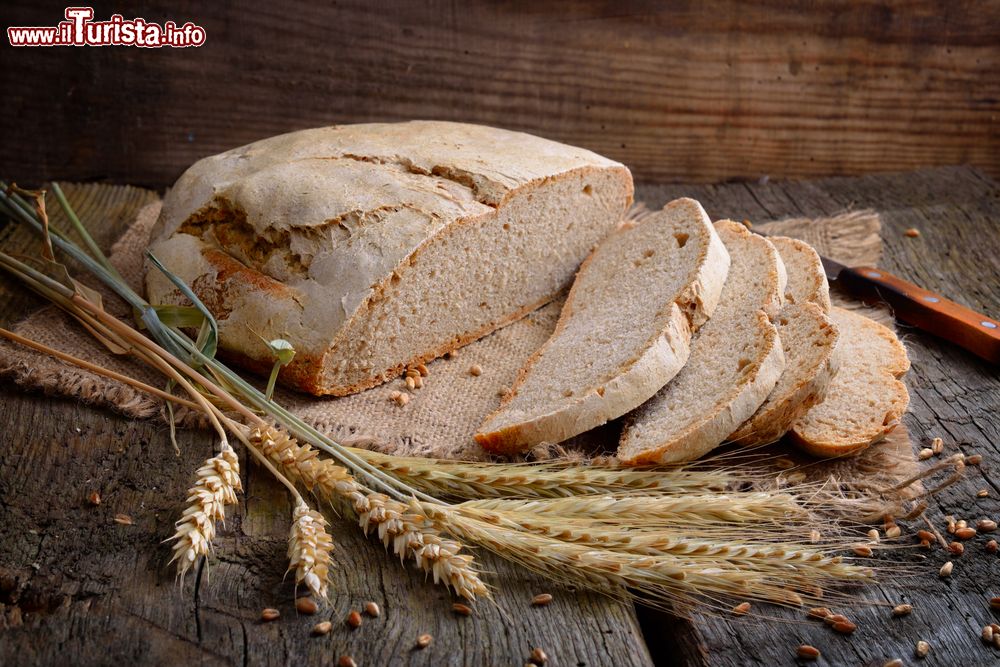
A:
664,354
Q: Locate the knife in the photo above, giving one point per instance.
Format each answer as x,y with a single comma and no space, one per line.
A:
921,308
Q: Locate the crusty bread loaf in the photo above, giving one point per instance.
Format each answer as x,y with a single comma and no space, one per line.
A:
866,399
806,277
735,362
623,332
808,339
370,247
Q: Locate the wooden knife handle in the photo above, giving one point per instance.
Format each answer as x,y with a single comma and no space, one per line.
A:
925,309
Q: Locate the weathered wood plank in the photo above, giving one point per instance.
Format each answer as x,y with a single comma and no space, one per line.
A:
73,582
703,91
954,396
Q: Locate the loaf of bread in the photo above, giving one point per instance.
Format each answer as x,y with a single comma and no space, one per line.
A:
371,247
623,333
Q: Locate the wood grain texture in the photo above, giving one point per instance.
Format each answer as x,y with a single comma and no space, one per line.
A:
73,582
954,395
704,91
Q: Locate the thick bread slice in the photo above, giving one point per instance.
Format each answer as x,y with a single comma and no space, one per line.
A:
806,277
866,399
735,362
808,339
371,247
623,332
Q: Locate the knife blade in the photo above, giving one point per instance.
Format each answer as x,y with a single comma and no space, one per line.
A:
918,307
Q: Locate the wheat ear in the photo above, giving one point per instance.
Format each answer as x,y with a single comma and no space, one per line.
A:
309,548
408,534
215,487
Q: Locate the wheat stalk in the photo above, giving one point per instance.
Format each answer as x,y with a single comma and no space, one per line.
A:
215,487
472,480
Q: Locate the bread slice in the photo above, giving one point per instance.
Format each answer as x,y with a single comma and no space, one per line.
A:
623,332
806,277
736,360
808,339
866,400
371,247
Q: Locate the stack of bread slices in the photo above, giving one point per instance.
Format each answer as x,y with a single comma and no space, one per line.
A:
373,248
697,334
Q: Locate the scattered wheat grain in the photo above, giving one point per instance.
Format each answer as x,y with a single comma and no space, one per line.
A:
893,532
925,535
541,600
987,634
422,369
912,232
965,533
983,493
461,609
346,661
123,519
873,535
862,550
937,445
818,613
986,525
925,453
475,370
306,606
991,546
371,608
742,608
844,627
895,662
974,460
322,628
922,649
410,384
94,498
538,656
956,548
269,615
424,640
995,602
807,652
902,610
946,569
353,619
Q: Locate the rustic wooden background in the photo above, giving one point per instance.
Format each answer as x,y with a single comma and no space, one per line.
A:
683,91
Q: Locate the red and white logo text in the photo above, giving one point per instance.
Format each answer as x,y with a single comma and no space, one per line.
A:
80,29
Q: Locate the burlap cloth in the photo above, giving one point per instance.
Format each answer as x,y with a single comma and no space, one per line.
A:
440,418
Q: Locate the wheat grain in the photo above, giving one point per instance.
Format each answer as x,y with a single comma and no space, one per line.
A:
215,487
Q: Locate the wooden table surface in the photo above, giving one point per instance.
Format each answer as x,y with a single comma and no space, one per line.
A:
78,588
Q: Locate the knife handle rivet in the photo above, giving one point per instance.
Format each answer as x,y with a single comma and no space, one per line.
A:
932,299
989,325
874,274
